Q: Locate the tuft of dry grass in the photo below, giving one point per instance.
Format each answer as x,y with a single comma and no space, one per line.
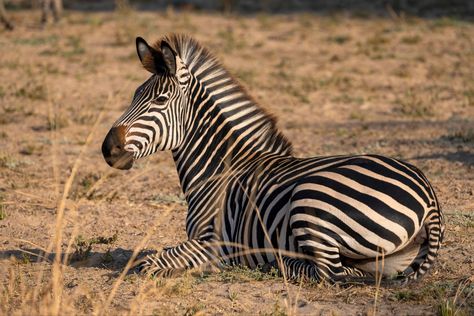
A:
83,246
411,104
3,213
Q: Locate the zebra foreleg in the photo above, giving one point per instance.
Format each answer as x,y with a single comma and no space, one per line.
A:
173,261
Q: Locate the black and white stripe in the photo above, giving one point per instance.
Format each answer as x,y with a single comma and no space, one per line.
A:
252,203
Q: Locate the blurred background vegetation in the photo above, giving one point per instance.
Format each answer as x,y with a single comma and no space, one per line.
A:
423,8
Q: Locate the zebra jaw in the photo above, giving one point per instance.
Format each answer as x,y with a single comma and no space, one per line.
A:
123,162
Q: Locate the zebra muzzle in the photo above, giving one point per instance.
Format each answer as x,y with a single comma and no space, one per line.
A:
113,149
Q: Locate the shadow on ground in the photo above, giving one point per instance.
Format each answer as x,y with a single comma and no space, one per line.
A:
462,156
114,260
456,144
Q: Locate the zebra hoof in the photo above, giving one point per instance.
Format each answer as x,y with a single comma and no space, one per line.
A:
150,270
269,267
143,267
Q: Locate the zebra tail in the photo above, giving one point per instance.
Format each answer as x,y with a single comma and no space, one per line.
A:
435,227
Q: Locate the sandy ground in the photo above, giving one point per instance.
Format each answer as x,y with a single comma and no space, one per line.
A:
338,84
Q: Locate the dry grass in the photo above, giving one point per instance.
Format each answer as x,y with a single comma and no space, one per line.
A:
339,84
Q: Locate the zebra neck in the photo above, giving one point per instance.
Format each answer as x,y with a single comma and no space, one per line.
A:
226,134
226,131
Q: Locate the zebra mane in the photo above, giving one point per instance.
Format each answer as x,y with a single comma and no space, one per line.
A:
200,62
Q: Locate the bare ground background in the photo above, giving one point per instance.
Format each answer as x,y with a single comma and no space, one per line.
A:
339,84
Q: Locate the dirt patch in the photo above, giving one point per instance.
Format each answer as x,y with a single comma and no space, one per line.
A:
338,84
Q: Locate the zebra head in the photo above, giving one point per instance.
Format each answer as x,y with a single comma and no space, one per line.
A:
155,118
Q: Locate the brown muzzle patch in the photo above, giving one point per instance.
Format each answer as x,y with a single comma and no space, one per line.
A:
113,149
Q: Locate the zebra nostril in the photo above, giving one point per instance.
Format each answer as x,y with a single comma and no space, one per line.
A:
116,150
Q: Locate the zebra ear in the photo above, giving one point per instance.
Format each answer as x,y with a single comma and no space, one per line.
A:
151,59
169,57
143,49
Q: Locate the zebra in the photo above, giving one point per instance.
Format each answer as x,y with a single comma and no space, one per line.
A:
56,6
250,201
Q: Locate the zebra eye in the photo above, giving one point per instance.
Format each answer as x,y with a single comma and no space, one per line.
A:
160,100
